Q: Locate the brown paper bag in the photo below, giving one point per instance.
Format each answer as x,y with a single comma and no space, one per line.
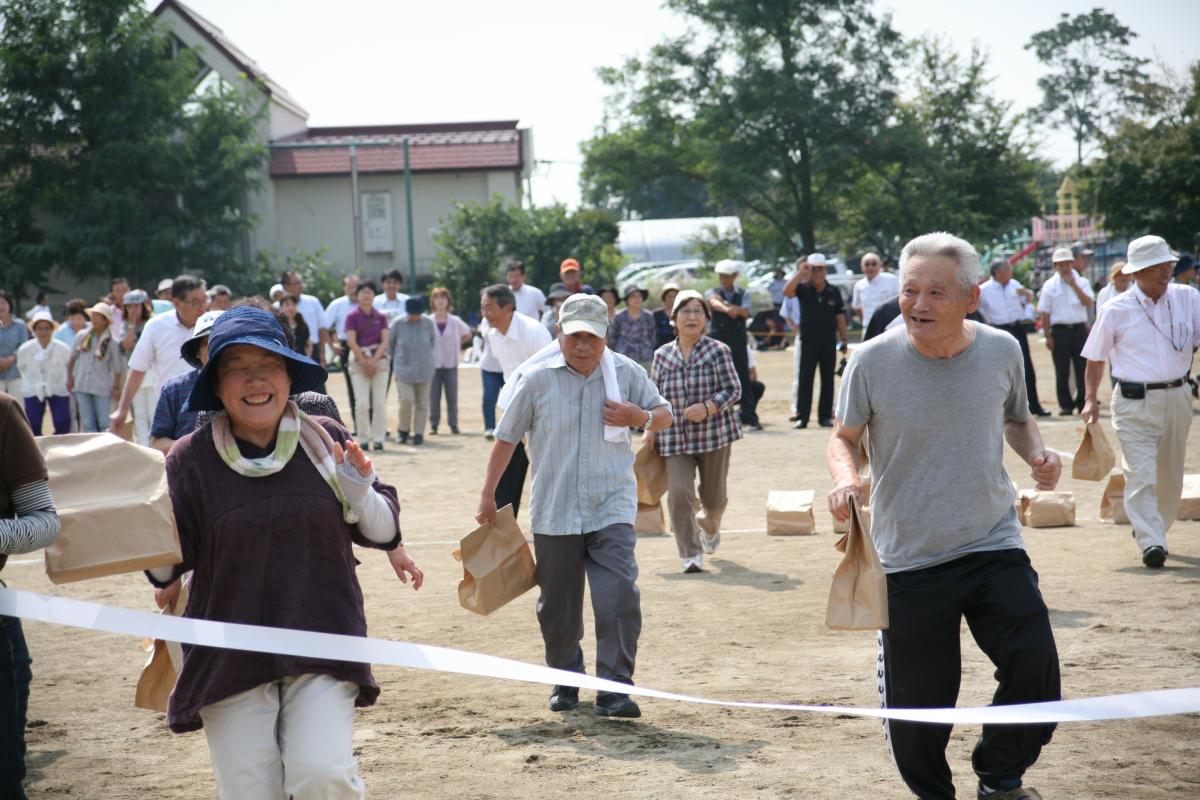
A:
157,680
1189,503
651,471
1095,457
112,498
790,513
858,594
1047,509
1112,502
497,565
844,527
650,520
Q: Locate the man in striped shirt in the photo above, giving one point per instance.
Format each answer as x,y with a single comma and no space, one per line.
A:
584,495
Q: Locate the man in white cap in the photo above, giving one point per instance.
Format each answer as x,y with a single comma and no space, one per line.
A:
822,324
1149,333
584,495
1063,306
730,306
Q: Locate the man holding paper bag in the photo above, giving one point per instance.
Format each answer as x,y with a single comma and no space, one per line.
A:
584,493
939,398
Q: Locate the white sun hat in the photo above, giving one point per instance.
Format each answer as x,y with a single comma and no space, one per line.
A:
1062,254
1147,251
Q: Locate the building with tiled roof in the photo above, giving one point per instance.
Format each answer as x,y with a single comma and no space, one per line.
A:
307,201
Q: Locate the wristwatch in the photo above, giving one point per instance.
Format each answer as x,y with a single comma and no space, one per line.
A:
646,424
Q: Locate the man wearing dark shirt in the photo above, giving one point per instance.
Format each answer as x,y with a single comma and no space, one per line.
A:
822,324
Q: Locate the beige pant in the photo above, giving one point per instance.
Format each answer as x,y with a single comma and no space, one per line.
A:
414,407
12,387
1153,433
369,393
142,407
292,737
713,467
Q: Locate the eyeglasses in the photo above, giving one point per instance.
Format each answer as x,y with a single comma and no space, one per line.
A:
197,303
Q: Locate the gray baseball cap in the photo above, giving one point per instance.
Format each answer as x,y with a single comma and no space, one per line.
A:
584,313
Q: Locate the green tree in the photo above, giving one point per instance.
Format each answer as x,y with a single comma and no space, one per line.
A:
764,104
119,161
1093,76
1148,180
949,159
475,242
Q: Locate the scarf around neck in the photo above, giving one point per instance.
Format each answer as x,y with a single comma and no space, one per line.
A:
295,428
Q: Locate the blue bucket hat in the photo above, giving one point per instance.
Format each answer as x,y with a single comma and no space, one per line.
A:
252,326
414,305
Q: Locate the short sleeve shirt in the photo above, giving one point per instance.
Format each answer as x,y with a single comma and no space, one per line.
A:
870,293
939,489
819,310
11,338
314,315
1147,342
1061,303
157,351
368,328
530,301
581,481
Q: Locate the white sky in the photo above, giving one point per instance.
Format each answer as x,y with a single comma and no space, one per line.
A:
375,62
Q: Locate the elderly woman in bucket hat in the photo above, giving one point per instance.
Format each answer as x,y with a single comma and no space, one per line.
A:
94,372
268,501
631,331
43,364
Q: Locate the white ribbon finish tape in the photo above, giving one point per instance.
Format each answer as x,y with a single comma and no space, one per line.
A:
281,641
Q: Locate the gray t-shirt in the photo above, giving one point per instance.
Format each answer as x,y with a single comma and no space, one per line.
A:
936,436
410,345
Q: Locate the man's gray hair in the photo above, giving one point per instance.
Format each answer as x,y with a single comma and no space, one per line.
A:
500,293
941,243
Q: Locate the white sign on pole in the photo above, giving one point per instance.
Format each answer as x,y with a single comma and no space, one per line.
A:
377,222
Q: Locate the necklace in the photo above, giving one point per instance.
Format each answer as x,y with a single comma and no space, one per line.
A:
1170,336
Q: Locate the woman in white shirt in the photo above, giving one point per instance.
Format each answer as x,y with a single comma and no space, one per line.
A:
1117,283
43,364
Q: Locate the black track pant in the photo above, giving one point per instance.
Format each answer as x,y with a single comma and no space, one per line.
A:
512,480
920,665
816,352
1068,354
1017,331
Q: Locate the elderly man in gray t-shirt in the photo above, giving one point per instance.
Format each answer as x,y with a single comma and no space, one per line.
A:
939,398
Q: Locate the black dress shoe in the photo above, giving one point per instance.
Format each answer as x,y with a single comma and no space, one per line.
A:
616,705
800,424
1154,556
454,430
433,431
827,423
564,698
1040,412
1066,412
417,439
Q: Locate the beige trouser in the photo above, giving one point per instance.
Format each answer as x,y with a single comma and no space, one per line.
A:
12,387
414,407
713,467
292,737
369,393
142,407
1153,433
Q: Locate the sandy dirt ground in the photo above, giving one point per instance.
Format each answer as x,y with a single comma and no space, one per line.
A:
750,627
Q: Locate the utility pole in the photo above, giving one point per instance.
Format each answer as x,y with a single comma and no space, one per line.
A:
412,258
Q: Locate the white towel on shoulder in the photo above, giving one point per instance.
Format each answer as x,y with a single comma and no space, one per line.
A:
608,370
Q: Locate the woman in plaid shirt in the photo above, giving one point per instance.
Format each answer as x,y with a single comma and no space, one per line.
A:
695,374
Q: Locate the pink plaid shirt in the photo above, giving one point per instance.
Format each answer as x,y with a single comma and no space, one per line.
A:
707,375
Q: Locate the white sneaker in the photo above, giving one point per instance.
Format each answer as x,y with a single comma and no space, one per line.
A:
489,434
709,543
693,564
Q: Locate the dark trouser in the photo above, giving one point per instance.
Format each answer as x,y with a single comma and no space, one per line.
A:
492,383
14,699
748,405
345,365
816,352
1017,331
60,413
998,594
606,558
444,378
1068,353
512,480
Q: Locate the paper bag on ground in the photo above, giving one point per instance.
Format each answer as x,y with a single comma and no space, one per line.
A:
790,513
858,594
157,680
651,471
1047,509
1112,503
112,498
1189,503
497,565
1095,457
650,520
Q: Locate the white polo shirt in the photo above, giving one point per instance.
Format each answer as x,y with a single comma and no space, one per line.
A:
336,313
157,351
524,337
1061,303
1107,293
1147,342
870,293
392,308
314,314
530,301
1000,304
